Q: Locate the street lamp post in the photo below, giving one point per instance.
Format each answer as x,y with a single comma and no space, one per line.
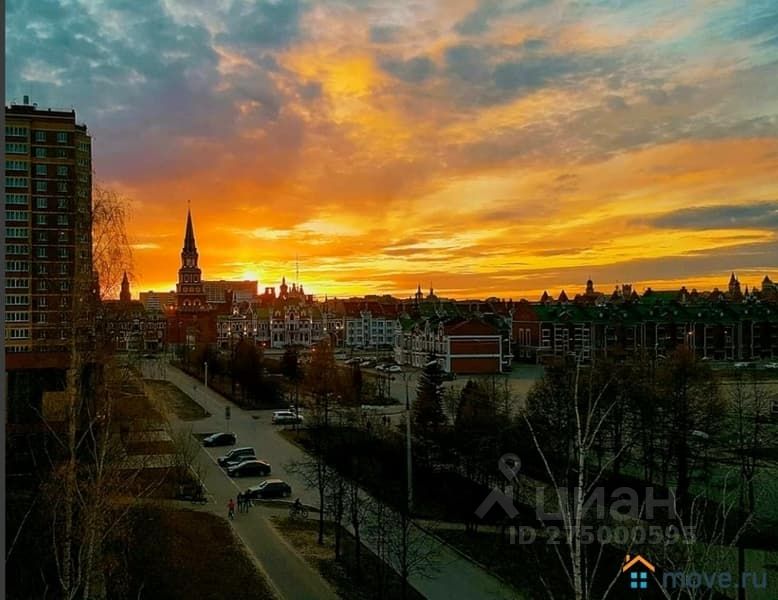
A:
408,443
206,375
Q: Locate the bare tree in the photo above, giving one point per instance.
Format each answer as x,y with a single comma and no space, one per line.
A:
316,474
412,551
111,250
588,418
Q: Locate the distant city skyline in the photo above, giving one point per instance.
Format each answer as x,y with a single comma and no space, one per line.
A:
488,148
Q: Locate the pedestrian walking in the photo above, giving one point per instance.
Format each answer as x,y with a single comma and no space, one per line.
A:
231,509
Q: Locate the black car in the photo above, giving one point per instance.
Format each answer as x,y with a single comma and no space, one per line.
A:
236,456
248,468
270,488
220,439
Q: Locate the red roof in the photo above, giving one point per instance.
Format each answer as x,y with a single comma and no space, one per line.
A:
469,327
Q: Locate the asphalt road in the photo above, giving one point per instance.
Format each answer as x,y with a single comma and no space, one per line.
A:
452,577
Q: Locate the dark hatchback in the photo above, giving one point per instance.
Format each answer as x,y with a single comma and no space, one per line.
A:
220,439
248,468
270,488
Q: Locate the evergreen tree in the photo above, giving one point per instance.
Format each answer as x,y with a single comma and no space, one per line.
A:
428,408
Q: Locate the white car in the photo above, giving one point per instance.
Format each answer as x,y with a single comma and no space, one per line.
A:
283,417
395,369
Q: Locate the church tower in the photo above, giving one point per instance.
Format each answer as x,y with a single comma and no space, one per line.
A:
190,294
125,296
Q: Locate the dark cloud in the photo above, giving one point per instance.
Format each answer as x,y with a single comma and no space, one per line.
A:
533,72
749,256
478,20
263,23
384,34
762,215
467,62
414,70
310,90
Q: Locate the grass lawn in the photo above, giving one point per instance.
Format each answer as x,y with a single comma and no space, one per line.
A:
376,581
176,554
176,401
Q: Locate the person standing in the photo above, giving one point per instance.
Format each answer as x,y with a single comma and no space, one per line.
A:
231,509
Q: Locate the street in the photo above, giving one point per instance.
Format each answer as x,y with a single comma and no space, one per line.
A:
454,576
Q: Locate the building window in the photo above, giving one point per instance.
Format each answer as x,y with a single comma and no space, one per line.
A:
42,302
16,215
16,165
62,237
62,186
16,232
43,285
62,171
42,269
19,334
40,202
40,252
11,131
40,152
41,170
40,136
62,153
41,186
63,269
16,182
62,203
16,199
62,219
42,236
16,266
62,137
17,249
15,300
63,252
41,317
15,148
17,317
40,219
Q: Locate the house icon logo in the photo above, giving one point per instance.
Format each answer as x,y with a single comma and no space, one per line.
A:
638,569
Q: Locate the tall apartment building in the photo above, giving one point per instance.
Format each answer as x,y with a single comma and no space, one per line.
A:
48,219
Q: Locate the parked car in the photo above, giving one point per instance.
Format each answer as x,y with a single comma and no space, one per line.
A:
248,468
235,454
381,367
270,488
284,417
394,369
220,439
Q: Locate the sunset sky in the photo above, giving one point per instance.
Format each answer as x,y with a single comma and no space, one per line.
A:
487,147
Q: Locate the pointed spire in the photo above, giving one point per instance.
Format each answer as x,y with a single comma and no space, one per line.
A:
189,239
